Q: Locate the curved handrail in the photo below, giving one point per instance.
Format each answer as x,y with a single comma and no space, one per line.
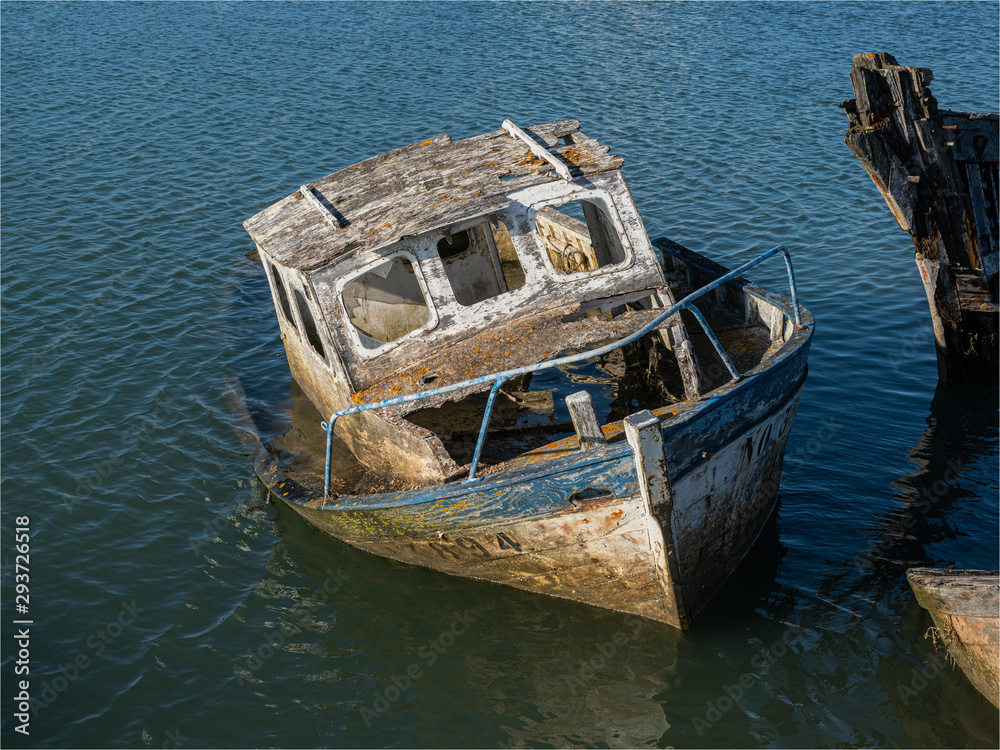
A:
498,378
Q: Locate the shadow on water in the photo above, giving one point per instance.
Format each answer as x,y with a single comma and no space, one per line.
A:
533,671
961,429
942,513
753,586
922,525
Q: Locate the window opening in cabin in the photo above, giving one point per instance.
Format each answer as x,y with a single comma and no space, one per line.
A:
480,263
309,324
579,236
386,303
513,272
279,287
454,246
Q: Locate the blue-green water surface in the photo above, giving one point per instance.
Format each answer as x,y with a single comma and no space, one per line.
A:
171,608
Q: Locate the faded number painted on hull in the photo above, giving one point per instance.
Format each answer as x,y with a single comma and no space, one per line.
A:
766,440
464,547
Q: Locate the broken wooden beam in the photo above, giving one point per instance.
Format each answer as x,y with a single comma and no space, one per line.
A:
937,170
588,427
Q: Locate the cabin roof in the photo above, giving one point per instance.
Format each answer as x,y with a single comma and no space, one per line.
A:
416,189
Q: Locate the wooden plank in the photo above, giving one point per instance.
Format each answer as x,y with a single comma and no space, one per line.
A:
542,153
588,428
327,211
434,183
965,608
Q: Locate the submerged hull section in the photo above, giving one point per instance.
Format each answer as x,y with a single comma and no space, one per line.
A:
577,525
965,608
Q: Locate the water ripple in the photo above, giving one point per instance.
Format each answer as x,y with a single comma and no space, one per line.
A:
137,137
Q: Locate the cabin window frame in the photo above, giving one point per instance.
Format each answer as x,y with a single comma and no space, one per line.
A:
279,294
303,298
485,224
354,334
607,203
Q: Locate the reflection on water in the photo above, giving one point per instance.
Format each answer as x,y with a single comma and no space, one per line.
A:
605,691
961,433
924,687
557,674
927,524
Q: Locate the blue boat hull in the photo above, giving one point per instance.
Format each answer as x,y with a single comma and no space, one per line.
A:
576,525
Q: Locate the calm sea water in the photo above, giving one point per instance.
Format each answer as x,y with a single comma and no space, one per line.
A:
171,608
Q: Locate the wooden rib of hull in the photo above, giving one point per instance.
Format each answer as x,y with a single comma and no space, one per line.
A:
965,607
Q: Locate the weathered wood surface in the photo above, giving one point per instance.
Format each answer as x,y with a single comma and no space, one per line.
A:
417,188
541,292
505,345
578,525
351,305
394,447
337,334
937,171
645,437
589,532
585,421
567,241
965,607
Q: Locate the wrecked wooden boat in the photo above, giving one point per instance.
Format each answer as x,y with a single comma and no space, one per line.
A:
965,608
539,397
938,172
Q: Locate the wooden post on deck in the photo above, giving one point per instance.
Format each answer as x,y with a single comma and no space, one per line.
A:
588,427
937,170
645,436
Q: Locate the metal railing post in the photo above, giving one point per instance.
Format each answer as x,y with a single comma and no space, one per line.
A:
328,426
791,285
715,342
484,427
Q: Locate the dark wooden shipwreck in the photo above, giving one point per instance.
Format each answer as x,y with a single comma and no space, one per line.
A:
438,303
965,608
937,170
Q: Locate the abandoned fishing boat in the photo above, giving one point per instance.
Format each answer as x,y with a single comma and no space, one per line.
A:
547,401
965,608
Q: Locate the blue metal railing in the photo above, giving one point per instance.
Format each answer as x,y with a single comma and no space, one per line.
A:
499,378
